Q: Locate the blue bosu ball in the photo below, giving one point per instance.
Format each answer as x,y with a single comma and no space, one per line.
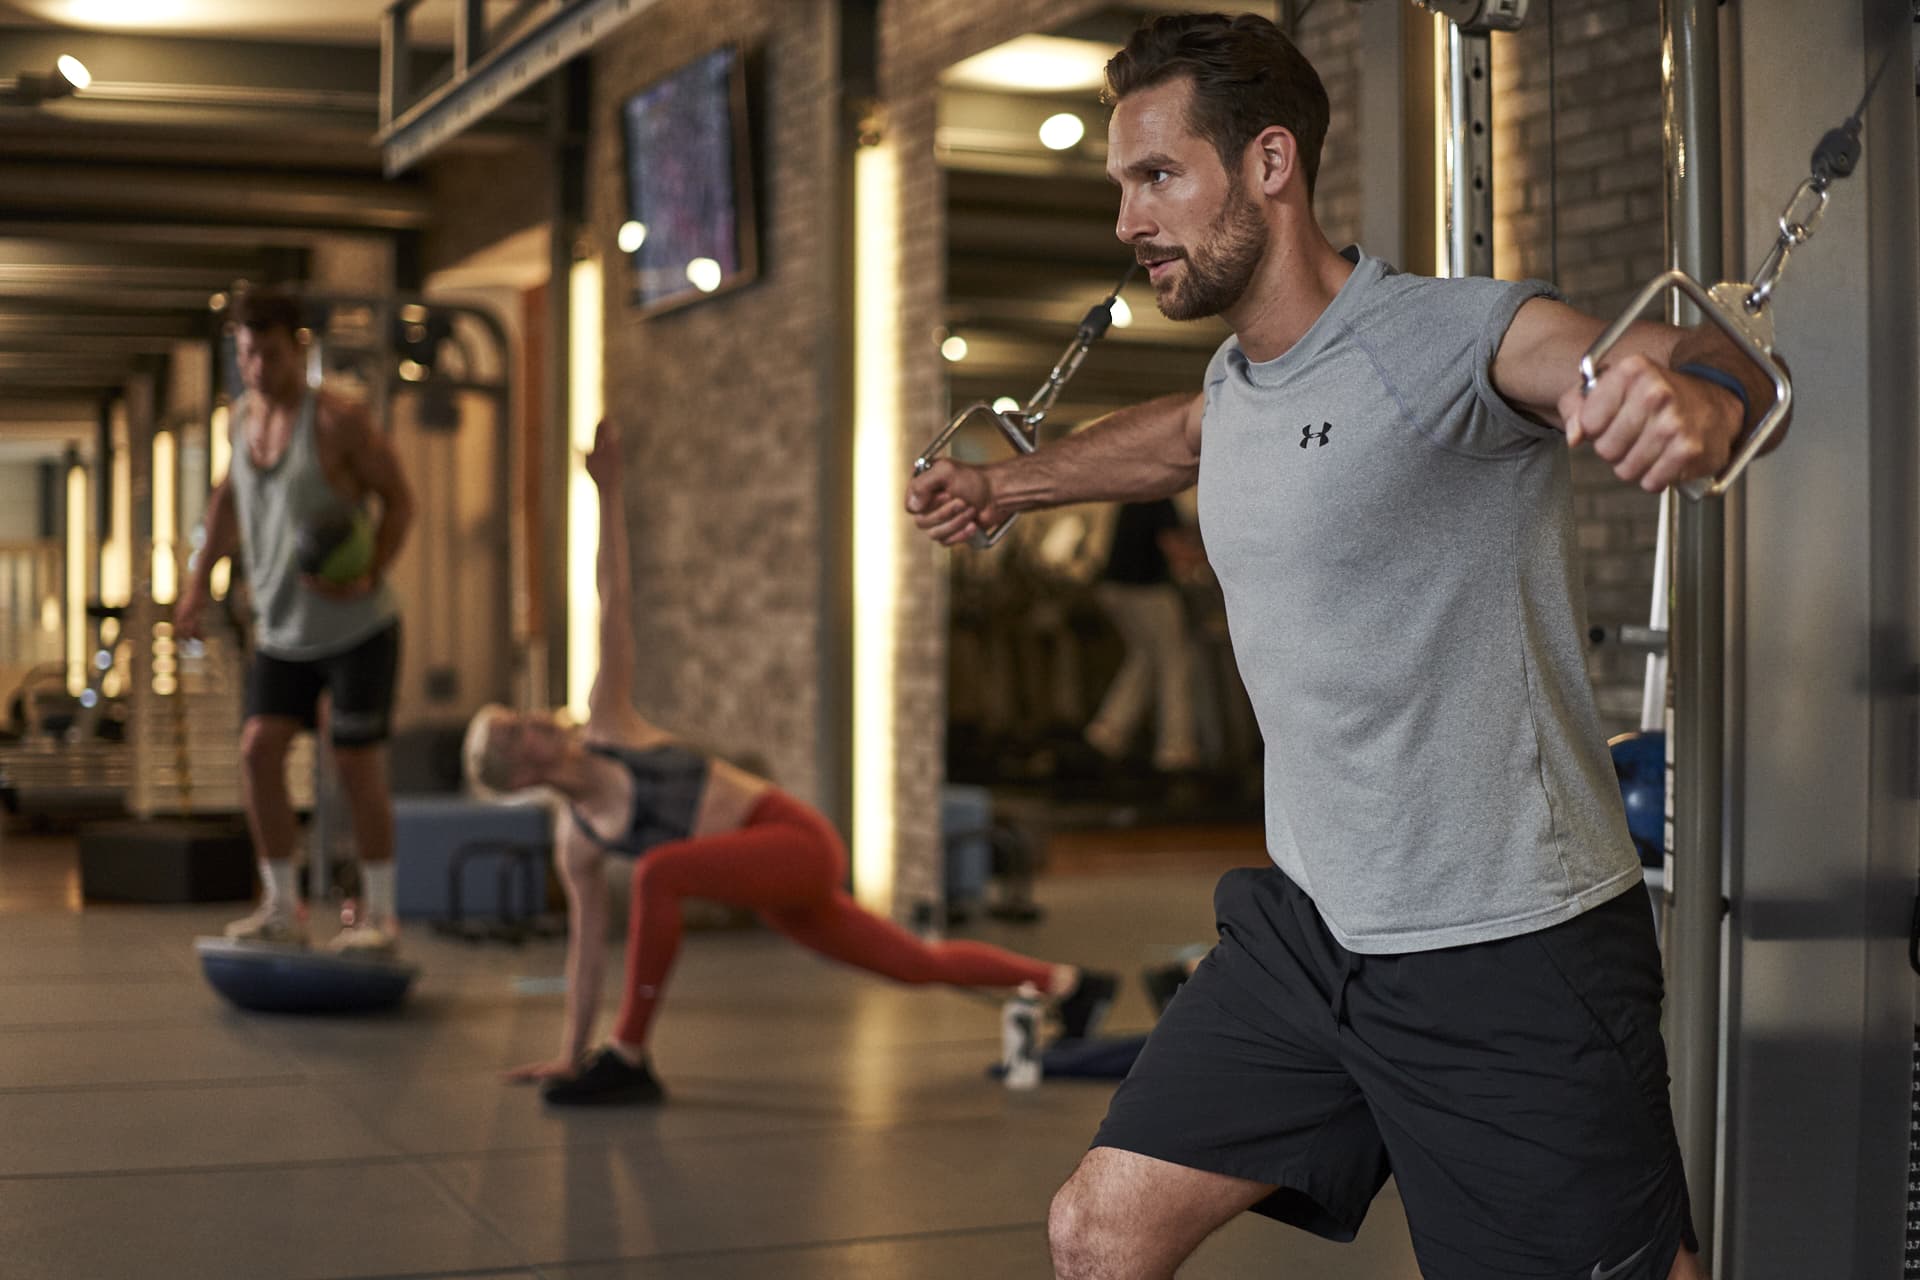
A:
277,979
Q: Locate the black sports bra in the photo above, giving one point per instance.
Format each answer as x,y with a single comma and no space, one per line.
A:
668,782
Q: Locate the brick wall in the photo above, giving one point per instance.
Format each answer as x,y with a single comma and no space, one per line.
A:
1329,35
1599,152
918,40
724,402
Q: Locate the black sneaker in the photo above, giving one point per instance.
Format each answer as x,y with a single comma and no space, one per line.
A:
1085,1007
607,1078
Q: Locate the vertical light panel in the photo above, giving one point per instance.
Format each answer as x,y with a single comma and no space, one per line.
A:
586,314
76,579
166,518
876,498
116,559
1443,157
219,459
219,444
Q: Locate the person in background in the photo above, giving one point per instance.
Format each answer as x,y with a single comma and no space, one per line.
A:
302,458
695,826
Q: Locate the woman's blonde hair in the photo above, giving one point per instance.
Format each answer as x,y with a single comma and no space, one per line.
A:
488,771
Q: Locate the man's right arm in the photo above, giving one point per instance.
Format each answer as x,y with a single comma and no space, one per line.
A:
222,539
1147,451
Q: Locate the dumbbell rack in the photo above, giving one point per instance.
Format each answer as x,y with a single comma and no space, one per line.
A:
186,721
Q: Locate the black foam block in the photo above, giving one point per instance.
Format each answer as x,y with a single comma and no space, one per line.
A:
167,860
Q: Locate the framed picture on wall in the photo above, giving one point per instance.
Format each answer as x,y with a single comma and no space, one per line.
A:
689,232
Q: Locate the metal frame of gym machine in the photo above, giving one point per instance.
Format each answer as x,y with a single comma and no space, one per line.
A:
1823,575
1794,647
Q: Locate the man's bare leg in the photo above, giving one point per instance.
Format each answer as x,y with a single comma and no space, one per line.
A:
1125,1216
263,784
363,776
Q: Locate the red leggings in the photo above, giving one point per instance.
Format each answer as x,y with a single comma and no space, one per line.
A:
786,863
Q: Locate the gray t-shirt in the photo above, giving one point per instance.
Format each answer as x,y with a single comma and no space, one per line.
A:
1396,544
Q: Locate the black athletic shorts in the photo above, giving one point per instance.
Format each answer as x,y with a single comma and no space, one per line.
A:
360,681
1515,1090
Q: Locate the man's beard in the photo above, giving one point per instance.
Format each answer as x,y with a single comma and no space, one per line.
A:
1221,266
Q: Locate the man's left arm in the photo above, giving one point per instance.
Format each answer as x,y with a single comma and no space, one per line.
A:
376,468
1656,425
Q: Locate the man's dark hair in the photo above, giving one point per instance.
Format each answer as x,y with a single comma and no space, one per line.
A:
1246,74
263,310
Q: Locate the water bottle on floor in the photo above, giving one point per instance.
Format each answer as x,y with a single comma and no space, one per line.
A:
1020,1039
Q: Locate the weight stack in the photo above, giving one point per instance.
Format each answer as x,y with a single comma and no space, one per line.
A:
1911,1269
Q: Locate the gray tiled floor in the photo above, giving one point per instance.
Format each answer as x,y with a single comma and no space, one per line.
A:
822,1123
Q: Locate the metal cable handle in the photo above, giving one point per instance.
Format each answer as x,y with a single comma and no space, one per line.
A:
1021,427
1741,309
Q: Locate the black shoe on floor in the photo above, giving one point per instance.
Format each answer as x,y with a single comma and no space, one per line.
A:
1085,1007
607,1078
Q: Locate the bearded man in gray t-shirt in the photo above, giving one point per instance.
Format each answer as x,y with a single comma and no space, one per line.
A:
1449,974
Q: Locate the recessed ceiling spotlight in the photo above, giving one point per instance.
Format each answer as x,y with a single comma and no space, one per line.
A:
1059,132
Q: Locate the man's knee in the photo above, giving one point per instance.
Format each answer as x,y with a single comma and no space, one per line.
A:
362,767
1079,1233
263,745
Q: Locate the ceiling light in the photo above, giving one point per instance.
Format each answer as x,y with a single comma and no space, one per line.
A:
1059,132
31,88
123,13
1036,64
1006,404
73,71
954,348
632,236
705,274
1122,313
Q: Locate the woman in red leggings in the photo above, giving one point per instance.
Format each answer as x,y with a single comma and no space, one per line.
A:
696,826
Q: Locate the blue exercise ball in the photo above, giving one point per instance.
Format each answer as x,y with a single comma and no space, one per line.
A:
1640,762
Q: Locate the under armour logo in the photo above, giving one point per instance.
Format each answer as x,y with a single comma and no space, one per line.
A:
1308,433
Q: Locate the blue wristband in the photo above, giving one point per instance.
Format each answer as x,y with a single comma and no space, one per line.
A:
1720,378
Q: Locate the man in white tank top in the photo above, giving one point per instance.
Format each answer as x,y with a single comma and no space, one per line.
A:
301,456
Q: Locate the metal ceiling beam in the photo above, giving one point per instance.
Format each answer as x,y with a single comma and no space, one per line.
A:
411,130
88,230
306,200
107,294
47,344
111,251
65,324
39,280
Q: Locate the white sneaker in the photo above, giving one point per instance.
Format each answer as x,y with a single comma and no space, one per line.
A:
271,924
366,939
